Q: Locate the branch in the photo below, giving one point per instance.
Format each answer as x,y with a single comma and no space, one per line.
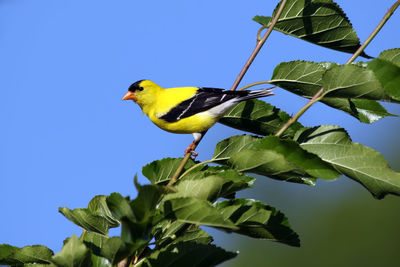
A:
180,168
260,43
387,16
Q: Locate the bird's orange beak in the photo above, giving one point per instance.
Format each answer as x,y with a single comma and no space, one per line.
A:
129,96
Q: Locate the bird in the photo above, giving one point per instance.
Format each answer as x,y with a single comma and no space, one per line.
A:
187,110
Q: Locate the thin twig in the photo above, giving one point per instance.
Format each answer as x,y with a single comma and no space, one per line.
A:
197,165
258,46
180,169
320,94
387,16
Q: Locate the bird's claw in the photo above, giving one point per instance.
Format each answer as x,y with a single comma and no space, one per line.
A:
194,155
190,150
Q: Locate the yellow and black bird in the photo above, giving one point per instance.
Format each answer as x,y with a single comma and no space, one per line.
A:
187,109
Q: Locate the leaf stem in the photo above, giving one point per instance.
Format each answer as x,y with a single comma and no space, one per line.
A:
320,94
317,97
260,43
260,31
254,84
197,165
83,235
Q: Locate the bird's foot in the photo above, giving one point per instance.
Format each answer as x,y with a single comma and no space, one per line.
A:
190,150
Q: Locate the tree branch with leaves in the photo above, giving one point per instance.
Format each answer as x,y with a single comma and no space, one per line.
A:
160,227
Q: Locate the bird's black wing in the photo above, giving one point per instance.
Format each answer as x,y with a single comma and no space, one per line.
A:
204,99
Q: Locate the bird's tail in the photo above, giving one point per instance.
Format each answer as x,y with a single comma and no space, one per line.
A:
257,93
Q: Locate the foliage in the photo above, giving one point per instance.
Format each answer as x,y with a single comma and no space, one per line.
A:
160,227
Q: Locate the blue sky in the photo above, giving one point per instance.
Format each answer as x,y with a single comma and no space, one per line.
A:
65,65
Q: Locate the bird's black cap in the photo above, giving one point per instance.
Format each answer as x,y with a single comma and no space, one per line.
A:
135,86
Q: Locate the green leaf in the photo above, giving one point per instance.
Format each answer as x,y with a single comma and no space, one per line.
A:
235,152
191,234
339,81
87,219
188,254
195,211
174,252
115,249
99,205
208,188
352,81
270,164
363,164
211,184
391,55
112,249
166,229
161,171
387,70
73,254
145,203
94,241
273,157
320,22
10,255
97,261
136,216
235,181
388,75
97,217
258,220
228,147
256,116
34,254
6,252
305,78
293,153
196,235
366,111
120,207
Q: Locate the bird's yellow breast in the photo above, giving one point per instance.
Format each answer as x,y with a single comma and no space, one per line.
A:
193,124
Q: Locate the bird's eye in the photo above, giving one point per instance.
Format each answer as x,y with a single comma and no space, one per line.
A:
140,88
